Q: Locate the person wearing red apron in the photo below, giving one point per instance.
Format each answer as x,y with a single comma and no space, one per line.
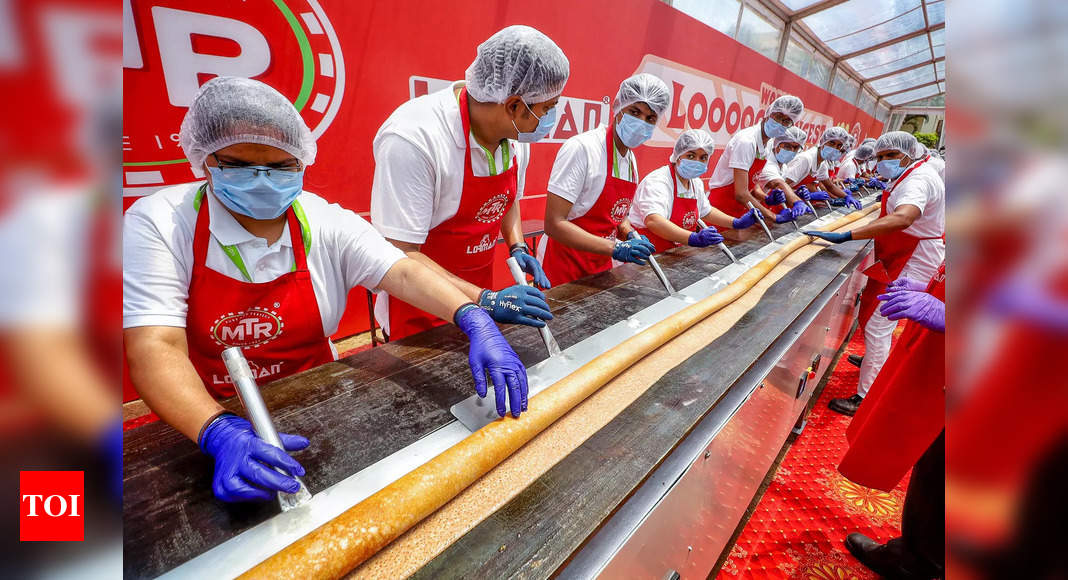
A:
669,201
770,179
813,167
250,260
733,181
901,426
586,215
909,240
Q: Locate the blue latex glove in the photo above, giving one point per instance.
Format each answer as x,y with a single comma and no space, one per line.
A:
748,220
876,184
819,196
784,216
775,197
906,283
799,209
636,251
705,237
879,197
530,265
920,307
852,188
519,304
491,353
833,237
802,192
851,201
243,461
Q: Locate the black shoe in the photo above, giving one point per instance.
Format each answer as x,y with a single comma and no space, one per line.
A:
888,560
856,360
846,406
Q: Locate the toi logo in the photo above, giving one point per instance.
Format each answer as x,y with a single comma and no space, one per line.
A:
51,506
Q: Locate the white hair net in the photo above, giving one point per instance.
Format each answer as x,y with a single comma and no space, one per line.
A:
788,105
868,140
231,110
896,141
920,151
517,60
691,139
865,152
793,135
834,134
643,88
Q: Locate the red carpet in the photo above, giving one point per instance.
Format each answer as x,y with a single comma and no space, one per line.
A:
797,529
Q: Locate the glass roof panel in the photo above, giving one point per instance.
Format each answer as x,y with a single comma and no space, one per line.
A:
795,5
912,95
719,14
938,37
893,57
940,66
917,76
936,12
895,64
939,50
856,25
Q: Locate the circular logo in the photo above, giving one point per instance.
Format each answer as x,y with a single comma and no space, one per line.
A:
249,328
689,220
493,210
620,209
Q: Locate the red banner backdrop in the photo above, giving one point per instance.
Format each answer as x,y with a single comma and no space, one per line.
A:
347,65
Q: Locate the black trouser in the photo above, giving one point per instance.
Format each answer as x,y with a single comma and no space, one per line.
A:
923,519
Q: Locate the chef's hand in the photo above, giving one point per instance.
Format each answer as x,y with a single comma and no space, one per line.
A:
519,304
490,353
819,196
635,250
799,209
920,307
786,215
705,237
243,461
906,283
876,184
834,237
530,265
775,197
803,192
748,220
852,202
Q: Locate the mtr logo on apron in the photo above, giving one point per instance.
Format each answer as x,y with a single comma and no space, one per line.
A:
689,221
620,210
250,328
494,209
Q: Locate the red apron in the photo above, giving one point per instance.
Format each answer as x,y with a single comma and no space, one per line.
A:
462,244
722,197
905,410
892,252
563,264
683,214
277,323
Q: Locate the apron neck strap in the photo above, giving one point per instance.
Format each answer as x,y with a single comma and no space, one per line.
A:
613,155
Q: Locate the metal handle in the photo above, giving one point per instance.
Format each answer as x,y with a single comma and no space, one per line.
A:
760,218
249,393
720,245
546,335
656,267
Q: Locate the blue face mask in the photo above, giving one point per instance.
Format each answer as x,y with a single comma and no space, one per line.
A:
546,123
774,128
890,169
830,153
632,131
785,156
690,168
249,191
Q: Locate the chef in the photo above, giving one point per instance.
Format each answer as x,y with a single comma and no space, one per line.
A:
449,172
592,184
909,241
670,200
248,258
814,166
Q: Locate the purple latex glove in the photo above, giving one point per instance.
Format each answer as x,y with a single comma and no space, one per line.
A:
802,191
705,237
243,461
799,209
748,220
876,184
819,196
920,307
906,283
1031,301
775,197
491,353
784,216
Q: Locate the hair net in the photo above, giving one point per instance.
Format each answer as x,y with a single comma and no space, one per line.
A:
643,88
788,105
868,140
793,135
231,110
920,151
864,152
834,134
691,139
517,60
896,141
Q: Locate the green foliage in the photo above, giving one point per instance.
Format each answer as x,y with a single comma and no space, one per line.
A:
928,139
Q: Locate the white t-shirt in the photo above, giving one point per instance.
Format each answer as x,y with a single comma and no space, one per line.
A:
847,169
804,164
924,189
157,260
940,166
419,166
580,170
656,195
772,170
743,148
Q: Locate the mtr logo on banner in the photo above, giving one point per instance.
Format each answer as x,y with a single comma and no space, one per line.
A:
169,51
51,506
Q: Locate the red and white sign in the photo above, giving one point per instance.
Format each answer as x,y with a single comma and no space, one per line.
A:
51,506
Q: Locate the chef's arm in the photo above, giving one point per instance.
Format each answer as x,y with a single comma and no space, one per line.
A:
512,226
418,285
791,197
166,380
832,188
742,195
560,229
895,222
468,289
716,217
667,229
